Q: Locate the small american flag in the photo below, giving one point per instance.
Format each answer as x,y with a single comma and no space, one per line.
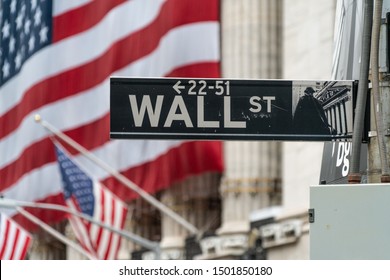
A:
14,240
88,196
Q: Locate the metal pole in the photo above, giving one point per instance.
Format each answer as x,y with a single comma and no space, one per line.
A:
163,208
385,178
128,235
354,174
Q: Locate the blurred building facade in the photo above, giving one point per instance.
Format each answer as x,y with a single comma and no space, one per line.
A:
258,208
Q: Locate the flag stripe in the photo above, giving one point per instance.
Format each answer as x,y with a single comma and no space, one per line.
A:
122,225
110,213
196,70
118,222
100,214
5,232
82,19
61,6
94,230
105,240
14,240
24,248
116,219
10,233
80,230
15,244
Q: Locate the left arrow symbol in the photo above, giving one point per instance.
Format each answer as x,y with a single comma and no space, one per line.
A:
177,87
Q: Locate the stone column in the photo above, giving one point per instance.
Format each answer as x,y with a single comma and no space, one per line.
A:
251,48
193,200
46,247
72,254
144,220
173,234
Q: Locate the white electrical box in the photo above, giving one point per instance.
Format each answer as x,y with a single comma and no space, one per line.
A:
350,222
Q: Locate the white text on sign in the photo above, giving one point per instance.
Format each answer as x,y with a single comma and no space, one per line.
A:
179,112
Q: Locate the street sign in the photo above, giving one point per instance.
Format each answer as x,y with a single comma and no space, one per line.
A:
176,108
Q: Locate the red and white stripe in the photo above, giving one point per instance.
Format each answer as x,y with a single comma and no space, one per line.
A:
67,83
109,209
14,240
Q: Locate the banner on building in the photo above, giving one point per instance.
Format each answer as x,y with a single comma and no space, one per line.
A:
56,60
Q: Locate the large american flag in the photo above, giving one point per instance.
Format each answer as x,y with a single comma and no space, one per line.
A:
14,240
56,60
88,196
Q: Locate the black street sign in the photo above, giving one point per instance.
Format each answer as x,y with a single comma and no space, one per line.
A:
175,108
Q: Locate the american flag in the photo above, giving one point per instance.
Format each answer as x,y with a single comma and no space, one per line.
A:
56,60
14,240
89,197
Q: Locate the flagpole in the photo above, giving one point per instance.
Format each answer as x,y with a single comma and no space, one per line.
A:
125,181
128,235
54,233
